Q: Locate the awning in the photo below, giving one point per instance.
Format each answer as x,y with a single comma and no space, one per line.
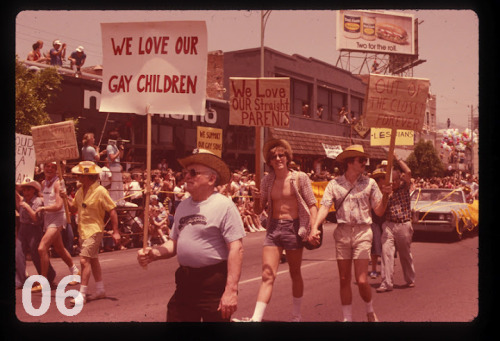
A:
311,144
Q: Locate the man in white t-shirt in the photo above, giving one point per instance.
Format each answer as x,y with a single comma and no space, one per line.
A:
207,239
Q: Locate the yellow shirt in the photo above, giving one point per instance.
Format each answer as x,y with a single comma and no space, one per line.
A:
91,209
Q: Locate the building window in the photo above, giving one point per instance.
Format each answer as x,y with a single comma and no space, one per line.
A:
301,97
323,101
356,107
338,101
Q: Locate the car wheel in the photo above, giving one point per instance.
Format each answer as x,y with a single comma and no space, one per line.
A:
459,232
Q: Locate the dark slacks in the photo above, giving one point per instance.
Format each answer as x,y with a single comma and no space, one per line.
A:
197,294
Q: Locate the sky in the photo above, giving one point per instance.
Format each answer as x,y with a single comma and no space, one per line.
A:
448,41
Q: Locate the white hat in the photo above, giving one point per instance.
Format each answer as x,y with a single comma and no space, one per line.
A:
57,42
31,183
79,48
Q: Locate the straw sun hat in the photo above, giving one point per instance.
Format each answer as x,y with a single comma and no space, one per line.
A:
207,158
31,183
352,151
86,168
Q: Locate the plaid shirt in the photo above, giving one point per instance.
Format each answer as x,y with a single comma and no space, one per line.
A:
302,189
399,207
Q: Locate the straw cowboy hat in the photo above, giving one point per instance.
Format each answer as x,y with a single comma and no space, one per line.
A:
207,158
32,183
275,143
86,168
352,151
378,173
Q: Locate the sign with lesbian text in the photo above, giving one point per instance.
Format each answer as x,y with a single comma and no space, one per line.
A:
159,65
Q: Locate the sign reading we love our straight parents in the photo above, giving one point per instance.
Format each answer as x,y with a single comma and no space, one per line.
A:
159,64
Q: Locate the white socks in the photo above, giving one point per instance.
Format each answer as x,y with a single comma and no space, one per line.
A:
99,287
258,314
347,311
83,289
369,307
297,302
73,269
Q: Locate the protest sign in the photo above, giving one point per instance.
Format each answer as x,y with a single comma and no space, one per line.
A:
210,139
382,137
55,142
259,102
396,102
332,151
25,157
162,64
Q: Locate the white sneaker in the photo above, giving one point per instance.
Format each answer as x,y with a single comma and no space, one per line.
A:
296,319
74,278
78,300
243,319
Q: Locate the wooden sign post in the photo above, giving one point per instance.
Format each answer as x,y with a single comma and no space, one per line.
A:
259,102
158,65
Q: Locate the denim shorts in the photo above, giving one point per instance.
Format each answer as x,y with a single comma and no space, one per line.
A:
283,233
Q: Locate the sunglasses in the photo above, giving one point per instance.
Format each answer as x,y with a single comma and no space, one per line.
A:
362,159
279,156
193,173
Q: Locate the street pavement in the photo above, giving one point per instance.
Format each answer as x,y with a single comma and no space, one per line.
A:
446,287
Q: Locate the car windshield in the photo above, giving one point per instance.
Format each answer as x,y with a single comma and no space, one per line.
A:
435,195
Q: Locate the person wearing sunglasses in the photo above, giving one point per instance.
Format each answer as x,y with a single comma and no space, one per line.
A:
291,207
206,237
354,195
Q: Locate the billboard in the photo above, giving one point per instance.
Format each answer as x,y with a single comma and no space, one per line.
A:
375,32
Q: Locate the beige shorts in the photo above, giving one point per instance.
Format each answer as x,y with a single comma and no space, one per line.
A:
90,247
353,241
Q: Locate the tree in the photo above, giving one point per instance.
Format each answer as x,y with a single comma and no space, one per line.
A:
424,161
34,90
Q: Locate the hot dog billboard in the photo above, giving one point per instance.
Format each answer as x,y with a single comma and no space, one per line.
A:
373,31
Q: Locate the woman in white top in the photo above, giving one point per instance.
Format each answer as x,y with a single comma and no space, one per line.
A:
54,223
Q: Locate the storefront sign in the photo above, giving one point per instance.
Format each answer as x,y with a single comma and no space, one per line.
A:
396,102
332,151
263,102
382,137
162,65
25,157
210,139
55,142
376,32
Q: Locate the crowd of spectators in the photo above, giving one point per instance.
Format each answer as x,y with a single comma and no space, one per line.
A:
167,191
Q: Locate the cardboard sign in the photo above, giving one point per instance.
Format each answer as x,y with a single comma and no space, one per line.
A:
162,65
332,151
396,102
25,157
382,137
210,139
55,142
263,102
